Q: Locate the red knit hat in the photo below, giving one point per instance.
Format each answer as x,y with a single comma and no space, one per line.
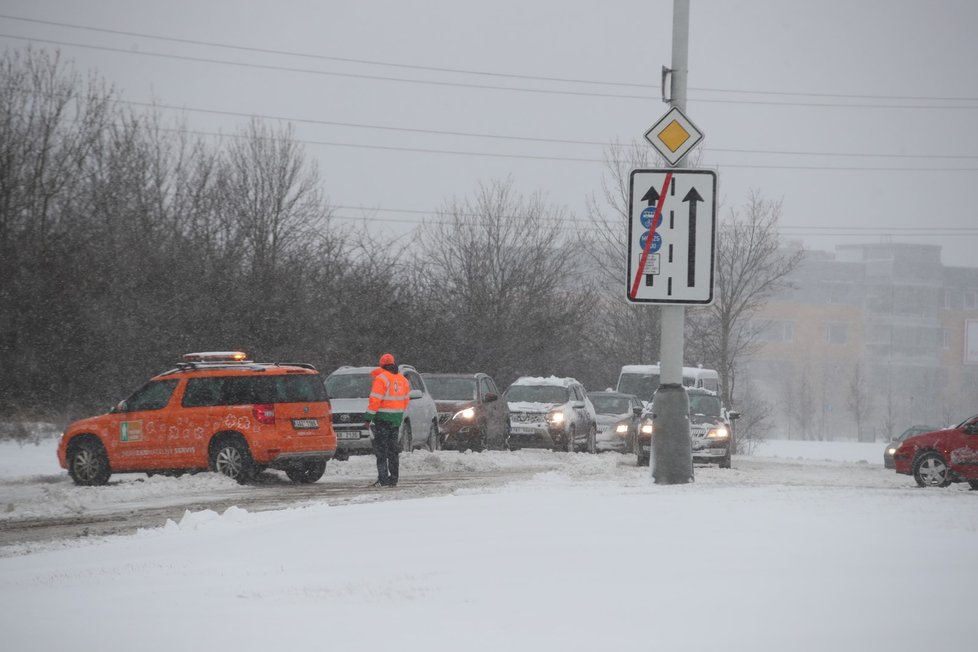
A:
386,359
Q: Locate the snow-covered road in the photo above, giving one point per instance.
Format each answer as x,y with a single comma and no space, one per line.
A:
807,546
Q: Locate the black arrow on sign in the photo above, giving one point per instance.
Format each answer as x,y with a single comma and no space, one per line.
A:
692,197
651,196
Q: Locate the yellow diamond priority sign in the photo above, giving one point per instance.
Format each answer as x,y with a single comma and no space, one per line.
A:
673,136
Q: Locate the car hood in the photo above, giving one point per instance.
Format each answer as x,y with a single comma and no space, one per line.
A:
528,406
604,419
341,405
703,418
924,439
88,423
453,406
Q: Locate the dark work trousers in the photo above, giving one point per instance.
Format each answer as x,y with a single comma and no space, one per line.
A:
387,449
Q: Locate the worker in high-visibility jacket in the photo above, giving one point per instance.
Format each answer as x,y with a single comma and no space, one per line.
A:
385,412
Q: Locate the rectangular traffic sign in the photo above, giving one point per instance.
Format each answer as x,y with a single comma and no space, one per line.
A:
671,236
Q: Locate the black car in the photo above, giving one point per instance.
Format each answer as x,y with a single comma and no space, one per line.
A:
470,413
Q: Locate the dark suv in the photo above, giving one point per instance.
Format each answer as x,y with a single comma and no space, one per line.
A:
470,414
711,434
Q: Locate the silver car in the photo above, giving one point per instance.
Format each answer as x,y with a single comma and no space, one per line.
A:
551,413
349,390
618,416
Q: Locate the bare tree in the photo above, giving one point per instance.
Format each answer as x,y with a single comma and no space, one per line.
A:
750,267
754,424
270,192
512,296
857,400
622,333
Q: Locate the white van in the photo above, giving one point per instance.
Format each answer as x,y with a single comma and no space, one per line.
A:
643,379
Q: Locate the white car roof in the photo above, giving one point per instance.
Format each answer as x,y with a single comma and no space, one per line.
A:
549,380
367,370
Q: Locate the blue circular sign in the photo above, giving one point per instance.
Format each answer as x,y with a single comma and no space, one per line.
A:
656,242
647,214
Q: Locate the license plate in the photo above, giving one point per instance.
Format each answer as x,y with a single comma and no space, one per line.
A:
304,424
523,431
348,435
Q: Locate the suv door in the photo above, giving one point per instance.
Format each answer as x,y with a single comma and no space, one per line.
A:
142,430
495,421
421,411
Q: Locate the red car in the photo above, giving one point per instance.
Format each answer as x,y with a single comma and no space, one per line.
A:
936,459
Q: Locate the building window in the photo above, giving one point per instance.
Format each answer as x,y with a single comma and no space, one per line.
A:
970,300
836,332
776,330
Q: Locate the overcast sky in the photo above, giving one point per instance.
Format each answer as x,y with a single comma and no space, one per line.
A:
860,115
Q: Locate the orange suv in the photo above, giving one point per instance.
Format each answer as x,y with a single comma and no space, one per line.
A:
215,411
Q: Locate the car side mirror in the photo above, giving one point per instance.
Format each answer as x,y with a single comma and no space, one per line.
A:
733,415
490,397
415,393
637,411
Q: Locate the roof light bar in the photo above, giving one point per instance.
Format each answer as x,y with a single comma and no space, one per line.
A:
216,356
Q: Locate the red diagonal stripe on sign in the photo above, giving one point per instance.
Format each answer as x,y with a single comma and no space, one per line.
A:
648,241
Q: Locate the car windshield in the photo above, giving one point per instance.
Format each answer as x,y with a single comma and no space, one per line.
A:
706,405
447,388
609,404
641,385
537,394
349,385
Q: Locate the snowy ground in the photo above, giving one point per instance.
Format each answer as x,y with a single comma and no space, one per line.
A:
804,546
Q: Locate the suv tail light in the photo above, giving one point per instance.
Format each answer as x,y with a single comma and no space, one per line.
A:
264,413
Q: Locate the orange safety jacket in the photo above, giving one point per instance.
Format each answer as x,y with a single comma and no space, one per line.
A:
388,397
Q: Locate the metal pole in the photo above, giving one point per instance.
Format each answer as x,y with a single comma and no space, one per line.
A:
672,455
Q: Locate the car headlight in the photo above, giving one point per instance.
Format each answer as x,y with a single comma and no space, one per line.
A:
718,433
891,450
467,413
556,418
647,428
621,429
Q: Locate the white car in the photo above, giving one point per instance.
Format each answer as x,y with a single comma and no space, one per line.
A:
348,389
551,413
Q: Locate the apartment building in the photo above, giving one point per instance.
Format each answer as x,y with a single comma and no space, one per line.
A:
867,341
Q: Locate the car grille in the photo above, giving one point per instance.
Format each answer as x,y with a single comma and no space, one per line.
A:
444,416
527,417
342,418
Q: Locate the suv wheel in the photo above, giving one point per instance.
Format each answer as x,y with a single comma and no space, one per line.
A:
406,440
930,470
88,464
232,458
308,473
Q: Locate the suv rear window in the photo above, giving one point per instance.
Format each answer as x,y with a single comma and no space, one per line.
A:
250,390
